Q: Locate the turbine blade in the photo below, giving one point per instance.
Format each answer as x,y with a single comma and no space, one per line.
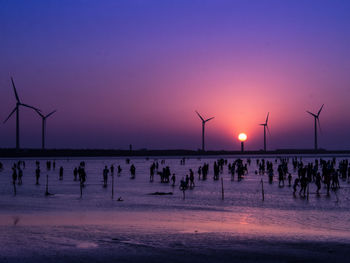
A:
40,114
268,130
28,106
48,115
311,113
11,114
318,114
209,119
267,118
14,89
262,124
199,116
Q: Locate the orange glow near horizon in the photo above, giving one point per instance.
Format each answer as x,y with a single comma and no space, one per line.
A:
242,137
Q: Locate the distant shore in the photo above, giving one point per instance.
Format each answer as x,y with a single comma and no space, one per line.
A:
10,152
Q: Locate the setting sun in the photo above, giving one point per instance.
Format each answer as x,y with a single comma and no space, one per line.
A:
242,137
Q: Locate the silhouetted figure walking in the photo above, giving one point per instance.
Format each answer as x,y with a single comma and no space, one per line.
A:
191,179
132,171
183,186
151,172
327,181
20,175
289,179
199,172
75,173
187,180
216,171
14,174
271,176
37,175
295,185
61,173
303,185
280,176
82,176
105,176
14,178
318,183
173,179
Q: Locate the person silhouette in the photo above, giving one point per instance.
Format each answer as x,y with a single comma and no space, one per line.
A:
151,172
191,179
132,171
20,175
61,173
105,176
82,176
75,173
295,185
318,183
289,179
173,179
14,174
37,175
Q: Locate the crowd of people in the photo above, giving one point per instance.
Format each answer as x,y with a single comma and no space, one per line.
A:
320,172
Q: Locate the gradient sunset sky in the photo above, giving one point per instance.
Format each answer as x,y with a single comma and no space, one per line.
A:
134,72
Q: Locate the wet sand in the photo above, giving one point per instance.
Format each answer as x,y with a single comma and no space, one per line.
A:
162,237
68,244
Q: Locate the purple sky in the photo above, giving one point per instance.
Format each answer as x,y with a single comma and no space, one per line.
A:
122,72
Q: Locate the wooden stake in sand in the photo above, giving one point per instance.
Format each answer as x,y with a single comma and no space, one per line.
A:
112,186
47,185
262,189
222,188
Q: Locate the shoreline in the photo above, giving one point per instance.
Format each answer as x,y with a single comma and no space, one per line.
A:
13,153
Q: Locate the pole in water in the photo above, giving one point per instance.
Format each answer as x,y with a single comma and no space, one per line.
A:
47,185
81,190
222,188
112,186
183,194
308,191
262,190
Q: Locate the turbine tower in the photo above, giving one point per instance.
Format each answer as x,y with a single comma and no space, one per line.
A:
265,127
43,126
16,109
203,127
317,120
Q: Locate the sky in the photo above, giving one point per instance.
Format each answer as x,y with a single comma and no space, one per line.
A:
123,72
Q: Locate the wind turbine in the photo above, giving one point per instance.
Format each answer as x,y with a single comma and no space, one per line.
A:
265,127
43,126
203,126
16,109
317,120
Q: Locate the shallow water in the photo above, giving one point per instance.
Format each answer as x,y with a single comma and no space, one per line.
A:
48,221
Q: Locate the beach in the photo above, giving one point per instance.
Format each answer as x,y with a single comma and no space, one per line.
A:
202,227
